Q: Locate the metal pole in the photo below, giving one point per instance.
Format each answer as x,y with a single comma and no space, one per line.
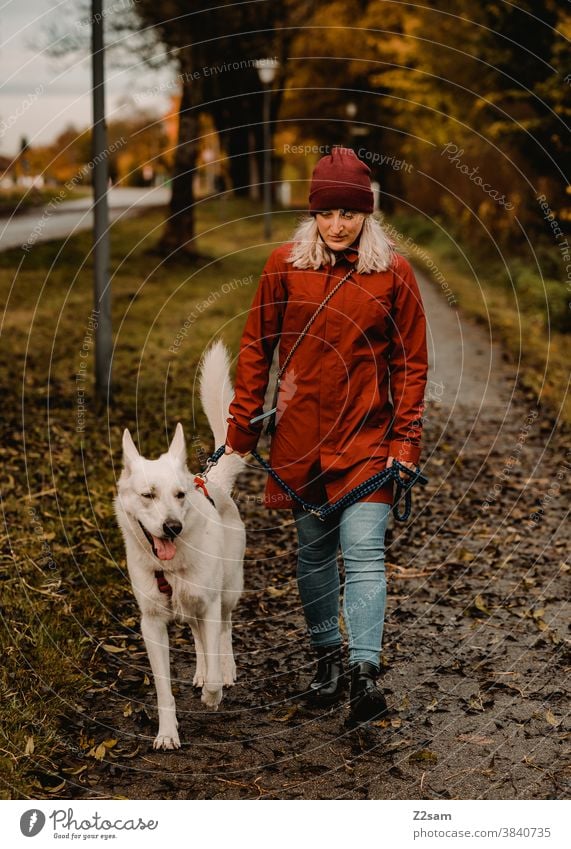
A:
267,166
101,290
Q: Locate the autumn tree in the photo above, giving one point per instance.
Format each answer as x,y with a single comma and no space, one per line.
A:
483,83
213,51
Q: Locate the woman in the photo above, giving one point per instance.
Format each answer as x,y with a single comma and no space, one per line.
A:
336,424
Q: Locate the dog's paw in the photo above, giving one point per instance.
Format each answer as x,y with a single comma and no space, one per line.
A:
211,698
167,741
199,678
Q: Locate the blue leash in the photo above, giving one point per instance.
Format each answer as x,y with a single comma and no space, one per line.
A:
360,491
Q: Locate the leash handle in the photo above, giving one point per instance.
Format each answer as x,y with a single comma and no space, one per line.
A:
406,487
416,474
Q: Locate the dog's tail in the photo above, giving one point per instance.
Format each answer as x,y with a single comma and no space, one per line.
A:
216,393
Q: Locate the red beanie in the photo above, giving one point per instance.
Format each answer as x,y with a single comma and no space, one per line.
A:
341,181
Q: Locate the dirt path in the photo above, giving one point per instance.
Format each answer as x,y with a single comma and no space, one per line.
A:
467,367
476,647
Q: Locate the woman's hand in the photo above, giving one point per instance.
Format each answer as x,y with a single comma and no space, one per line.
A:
403,475
229,450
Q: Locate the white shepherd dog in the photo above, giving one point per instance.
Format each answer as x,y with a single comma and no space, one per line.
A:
184,553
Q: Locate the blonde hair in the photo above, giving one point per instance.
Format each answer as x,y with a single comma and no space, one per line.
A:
376,248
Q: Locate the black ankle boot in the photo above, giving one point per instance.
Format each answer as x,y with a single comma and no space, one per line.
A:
367,702
329,682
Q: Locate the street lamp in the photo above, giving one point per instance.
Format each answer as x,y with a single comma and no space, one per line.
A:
266,69
102,286
351,112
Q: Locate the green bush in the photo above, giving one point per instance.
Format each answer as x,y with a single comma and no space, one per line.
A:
544,296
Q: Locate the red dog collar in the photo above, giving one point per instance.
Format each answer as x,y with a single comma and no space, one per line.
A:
200,483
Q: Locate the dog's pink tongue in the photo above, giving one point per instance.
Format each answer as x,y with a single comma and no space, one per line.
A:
165,549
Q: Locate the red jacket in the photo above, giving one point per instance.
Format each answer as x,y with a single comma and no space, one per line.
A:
336,424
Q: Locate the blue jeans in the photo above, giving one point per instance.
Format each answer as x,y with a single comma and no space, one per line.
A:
360,530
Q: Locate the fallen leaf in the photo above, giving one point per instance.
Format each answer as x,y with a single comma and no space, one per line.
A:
551,718
479,606
275,593
475,703
287,715
76,771
132,754
57,788
424,755
477,739
99,752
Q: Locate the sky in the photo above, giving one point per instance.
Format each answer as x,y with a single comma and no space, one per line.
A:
40,95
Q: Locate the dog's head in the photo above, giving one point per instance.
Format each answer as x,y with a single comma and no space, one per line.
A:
154,493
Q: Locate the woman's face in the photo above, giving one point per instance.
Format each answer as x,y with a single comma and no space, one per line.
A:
339,227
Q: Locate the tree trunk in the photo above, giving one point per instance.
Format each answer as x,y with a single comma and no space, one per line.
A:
178,235
237,141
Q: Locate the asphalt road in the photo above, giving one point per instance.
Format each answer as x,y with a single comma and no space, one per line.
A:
59,220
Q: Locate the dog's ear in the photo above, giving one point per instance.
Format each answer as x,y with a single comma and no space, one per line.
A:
177,448
130,453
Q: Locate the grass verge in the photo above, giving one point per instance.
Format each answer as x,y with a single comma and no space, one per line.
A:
62,563
521,298
18,201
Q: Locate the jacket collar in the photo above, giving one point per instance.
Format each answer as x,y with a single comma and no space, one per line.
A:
351,254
